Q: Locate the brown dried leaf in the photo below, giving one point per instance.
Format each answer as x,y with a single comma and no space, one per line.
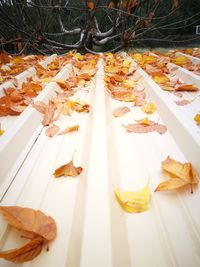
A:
68,170
146,128
49,114
118,112
40,106
25,253
69,129
187,87
52,130
183,102
30,221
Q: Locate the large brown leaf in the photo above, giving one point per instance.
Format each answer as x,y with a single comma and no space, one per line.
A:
25,253
68,170
30,221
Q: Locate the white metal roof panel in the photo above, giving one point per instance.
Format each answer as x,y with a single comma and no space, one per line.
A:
93,230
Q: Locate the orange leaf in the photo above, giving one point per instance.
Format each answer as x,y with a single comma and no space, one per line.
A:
182,173
68,170
187,87
70,129
4,58
25,253
118,112
90,5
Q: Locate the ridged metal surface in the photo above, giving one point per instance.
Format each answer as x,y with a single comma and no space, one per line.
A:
93,230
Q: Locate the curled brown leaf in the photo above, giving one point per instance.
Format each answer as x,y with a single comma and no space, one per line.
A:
25,253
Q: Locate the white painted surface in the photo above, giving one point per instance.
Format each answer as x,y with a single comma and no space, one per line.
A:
93,230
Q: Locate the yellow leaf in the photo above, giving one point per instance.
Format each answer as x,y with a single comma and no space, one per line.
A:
149,59
197,118
180,60
145,121
129,83
160,78
126,63
1,132
149,108
137,57
78,56
134,201
46,80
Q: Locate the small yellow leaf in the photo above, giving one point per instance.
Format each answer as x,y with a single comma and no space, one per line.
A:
1,132
137,56
180,60
149,108
145,121
197,118
134,201
129,83
46,80
78,56
160,78
126,63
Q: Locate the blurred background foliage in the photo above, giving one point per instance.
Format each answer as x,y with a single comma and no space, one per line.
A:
56,26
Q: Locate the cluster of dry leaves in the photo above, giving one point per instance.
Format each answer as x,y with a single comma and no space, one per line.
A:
195,52
159,67
183,61
164,73
18,97
34,225
84,69
121,85
10,66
